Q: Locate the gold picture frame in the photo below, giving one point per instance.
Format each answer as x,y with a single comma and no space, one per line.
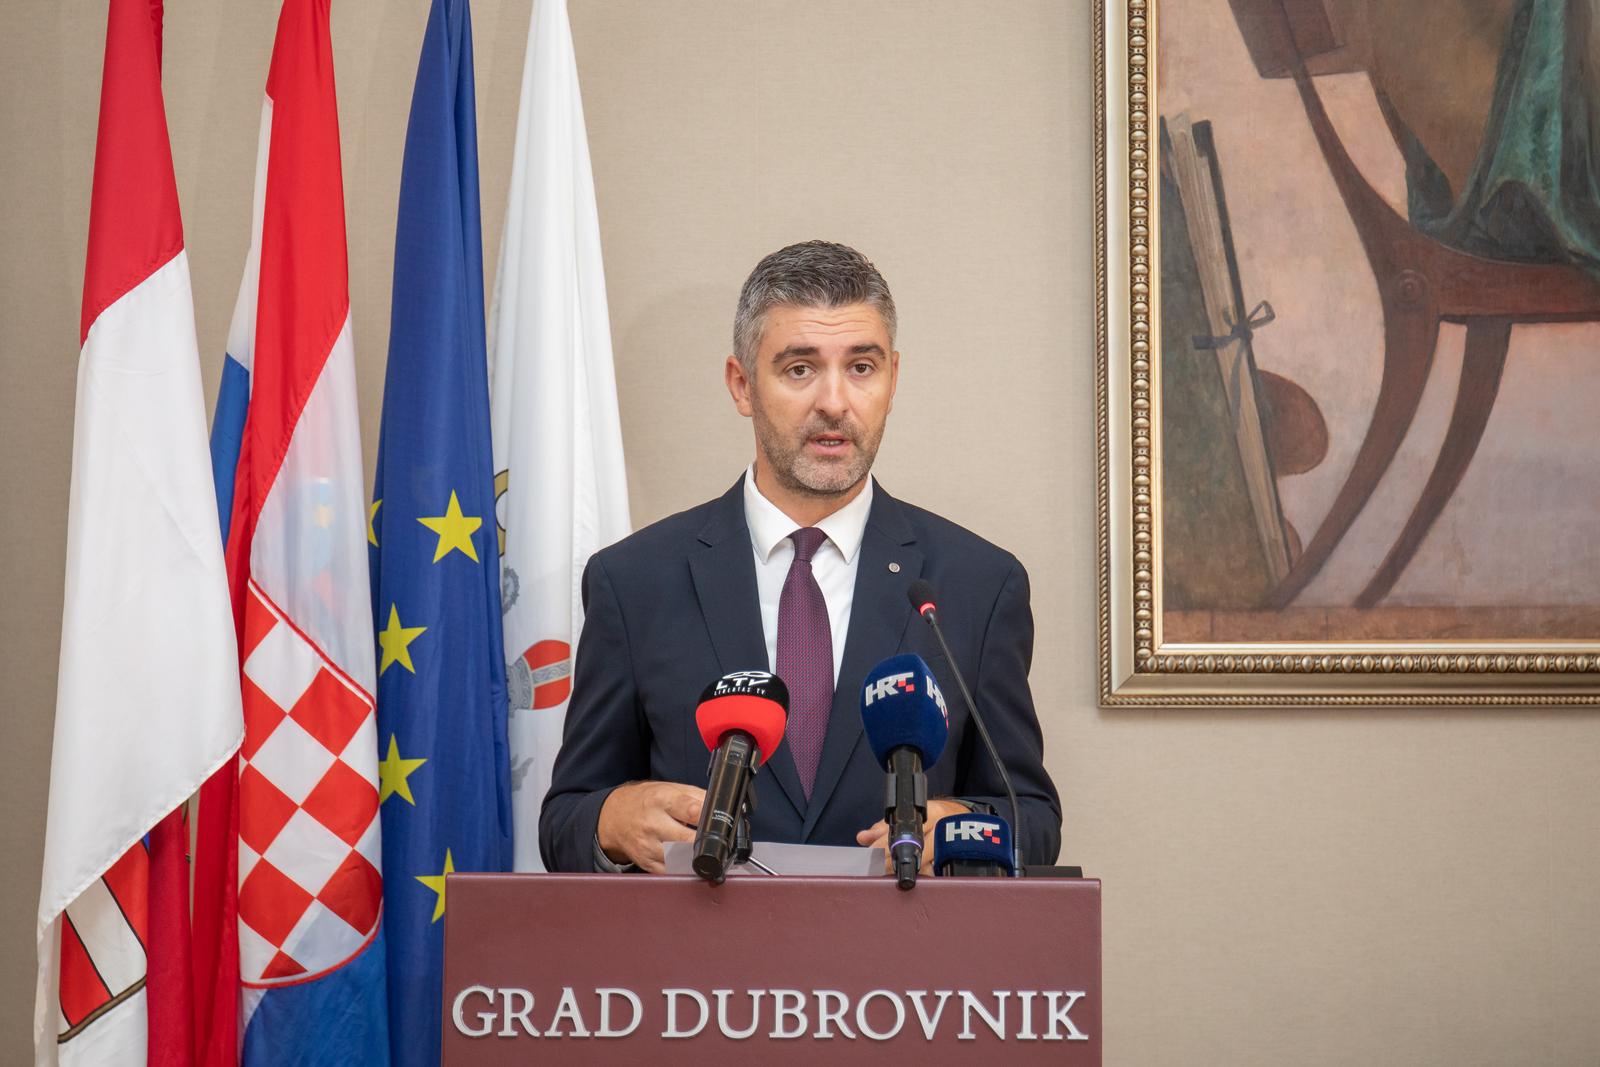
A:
1286,647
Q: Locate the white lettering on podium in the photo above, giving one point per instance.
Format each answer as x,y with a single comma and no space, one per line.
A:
788,1004
479,1011
458,1006
606,1029
835,1014
1059,1015
930,1024
525,999
1025,1028
996,1022
864,1024
672,996
722,996
567,1011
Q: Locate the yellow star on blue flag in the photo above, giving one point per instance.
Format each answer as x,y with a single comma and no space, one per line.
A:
435,882
455,531
394,772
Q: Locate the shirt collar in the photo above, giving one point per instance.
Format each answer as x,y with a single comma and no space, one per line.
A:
770,527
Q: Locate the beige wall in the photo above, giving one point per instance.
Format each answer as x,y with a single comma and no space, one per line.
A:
1300,887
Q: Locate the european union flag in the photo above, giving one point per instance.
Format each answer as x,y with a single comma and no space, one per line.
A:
444,770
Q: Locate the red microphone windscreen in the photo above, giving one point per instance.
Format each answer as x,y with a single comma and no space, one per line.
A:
761,717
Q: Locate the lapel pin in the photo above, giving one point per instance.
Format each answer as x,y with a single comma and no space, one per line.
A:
894,568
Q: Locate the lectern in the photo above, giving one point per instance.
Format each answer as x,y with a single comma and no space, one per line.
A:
609,969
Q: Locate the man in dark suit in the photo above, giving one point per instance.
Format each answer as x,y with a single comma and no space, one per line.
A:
802,565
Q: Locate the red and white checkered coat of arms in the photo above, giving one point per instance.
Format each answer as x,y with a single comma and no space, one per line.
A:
309,858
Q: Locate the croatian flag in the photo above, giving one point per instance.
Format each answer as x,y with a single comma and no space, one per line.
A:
562,485
310,957
148,699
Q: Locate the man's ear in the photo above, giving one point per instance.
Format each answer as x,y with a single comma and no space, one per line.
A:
894,375
739,385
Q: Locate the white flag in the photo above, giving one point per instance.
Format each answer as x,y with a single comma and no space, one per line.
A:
561,487
147,701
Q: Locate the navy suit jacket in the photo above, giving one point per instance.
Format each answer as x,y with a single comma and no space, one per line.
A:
674,606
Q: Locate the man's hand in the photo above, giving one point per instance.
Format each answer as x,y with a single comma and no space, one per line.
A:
638,819
878,833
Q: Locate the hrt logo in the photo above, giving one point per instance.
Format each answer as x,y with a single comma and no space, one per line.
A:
938,698
889,685
971,830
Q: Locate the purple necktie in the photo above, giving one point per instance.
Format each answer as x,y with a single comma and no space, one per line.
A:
805,656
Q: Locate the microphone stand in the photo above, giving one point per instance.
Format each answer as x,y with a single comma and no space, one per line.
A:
930,614
906,806
742,843
741,830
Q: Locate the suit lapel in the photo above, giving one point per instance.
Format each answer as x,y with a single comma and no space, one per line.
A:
879,615
724,574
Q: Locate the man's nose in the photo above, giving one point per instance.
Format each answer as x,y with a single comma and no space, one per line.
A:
832,399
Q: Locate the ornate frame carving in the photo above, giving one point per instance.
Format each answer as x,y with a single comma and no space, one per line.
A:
1136,667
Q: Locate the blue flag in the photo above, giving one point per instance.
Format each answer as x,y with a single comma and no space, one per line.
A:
444,770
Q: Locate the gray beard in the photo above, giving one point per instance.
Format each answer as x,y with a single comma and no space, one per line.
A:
803,474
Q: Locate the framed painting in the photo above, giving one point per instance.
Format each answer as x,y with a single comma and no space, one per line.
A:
1348,258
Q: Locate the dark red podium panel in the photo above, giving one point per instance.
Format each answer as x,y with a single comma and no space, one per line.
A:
578,969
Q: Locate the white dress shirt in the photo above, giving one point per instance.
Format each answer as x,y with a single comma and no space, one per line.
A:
834,564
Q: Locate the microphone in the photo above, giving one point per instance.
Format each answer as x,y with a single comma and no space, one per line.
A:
972,845
741,718
904,716
923,599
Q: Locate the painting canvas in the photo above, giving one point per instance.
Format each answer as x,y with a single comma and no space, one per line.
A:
1373,325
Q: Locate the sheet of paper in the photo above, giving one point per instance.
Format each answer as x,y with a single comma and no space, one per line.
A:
828,861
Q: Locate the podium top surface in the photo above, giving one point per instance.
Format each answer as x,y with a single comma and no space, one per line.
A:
605,883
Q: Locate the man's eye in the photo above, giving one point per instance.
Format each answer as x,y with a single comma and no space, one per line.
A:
864,368
798,370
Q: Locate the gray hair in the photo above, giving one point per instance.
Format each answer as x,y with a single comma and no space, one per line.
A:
809,274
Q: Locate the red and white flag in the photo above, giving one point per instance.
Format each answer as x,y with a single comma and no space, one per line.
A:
148,701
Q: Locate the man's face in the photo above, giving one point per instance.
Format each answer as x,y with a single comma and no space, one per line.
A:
819,395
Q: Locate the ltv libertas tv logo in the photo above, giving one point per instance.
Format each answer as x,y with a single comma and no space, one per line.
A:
744,683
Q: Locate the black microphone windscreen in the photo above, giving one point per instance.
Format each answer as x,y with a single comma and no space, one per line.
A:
921,595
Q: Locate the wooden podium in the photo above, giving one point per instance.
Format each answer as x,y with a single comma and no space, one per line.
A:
610,969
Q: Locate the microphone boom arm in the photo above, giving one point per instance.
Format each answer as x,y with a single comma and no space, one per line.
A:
930,613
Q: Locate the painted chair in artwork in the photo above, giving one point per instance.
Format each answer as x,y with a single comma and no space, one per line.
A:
1422,282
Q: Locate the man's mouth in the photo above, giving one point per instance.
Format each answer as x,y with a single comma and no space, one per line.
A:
830,442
